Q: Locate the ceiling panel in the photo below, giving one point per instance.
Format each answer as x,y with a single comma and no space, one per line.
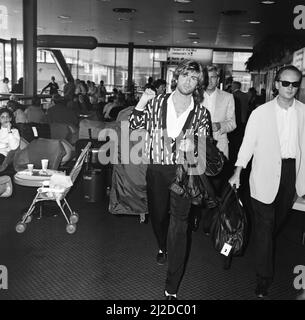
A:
160,21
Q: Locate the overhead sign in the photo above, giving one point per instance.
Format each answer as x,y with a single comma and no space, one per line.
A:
176,55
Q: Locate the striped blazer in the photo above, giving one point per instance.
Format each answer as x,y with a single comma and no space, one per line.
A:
159,148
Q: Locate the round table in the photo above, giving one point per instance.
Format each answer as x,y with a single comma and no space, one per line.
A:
35,179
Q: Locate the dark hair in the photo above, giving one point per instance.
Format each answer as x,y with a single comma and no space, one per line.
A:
212,68
203,79
290,68
10,113
237,84
158,83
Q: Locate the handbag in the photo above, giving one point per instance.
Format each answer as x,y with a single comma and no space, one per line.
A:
230,223
197,188
215,159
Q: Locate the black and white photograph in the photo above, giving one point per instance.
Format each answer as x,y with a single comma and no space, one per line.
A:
152,150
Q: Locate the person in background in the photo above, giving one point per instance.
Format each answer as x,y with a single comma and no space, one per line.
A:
253,100
149,84
241,116
101,92
159,86
18,87
9,136
275,138
4,89
34,112
69,89
52,86
222,110
60,113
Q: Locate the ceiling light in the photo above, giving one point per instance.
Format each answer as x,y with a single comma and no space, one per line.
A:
188,20
245,35
150,40
268,2
123,19
254,22
140,32
66,21
195,42
192,33
183,1
64,17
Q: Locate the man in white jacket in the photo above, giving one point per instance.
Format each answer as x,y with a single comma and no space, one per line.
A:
275,138
222,111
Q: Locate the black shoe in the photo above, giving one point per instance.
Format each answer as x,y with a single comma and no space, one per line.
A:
261,290
171,298
161,258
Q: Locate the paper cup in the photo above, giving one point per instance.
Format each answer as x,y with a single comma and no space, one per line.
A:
30,167
44,164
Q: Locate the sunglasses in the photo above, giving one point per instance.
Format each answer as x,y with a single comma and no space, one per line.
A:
295,84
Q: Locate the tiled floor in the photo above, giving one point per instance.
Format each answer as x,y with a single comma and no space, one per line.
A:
112,257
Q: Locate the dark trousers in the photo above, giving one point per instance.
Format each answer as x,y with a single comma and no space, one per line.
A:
268,218
169,217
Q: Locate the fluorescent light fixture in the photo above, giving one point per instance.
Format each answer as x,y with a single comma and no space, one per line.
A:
64,17
195,42
188,20
140,32
192,33
150,40
268,2
245,35
254,22
183,1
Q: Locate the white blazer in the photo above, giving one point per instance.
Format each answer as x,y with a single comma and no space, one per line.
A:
261,141
224,113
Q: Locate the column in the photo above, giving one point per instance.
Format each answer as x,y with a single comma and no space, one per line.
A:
30,47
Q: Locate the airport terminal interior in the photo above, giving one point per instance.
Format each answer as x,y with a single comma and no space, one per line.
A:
71,73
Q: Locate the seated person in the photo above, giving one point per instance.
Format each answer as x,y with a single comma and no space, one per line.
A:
118,103
17,109
9,136
34,113
60,113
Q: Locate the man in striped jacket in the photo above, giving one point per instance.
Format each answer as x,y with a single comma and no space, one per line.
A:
173,123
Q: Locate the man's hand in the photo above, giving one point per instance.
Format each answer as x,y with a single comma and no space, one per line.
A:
147,95
235,179
215,126
187,145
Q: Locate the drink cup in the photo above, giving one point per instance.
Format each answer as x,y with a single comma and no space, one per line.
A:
30,167
44,164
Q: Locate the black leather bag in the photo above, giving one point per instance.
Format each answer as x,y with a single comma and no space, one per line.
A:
230,223
197,188
215,159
